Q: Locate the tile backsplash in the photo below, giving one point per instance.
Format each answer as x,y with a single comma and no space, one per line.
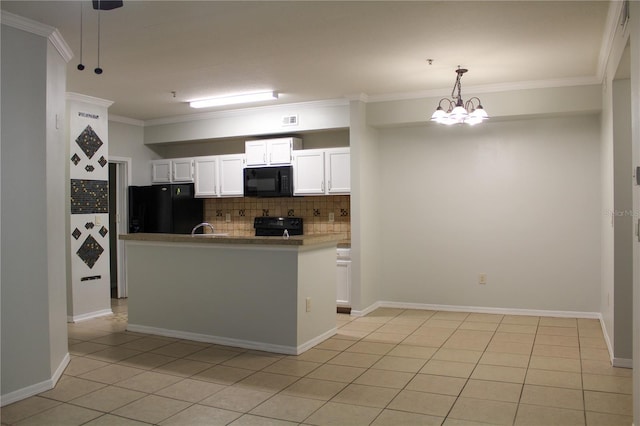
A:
314,210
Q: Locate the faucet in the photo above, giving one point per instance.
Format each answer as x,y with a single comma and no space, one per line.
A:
193,231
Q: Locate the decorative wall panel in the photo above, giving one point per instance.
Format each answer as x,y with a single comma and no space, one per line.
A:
89,206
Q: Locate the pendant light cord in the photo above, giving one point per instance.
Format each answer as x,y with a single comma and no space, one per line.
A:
98,37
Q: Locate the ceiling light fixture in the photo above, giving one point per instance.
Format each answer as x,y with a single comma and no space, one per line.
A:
470,112
236,99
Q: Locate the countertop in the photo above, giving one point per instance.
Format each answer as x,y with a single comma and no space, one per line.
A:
296,240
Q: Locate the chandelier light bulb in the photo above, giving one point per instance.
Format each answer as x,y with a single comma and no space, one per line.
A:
471,112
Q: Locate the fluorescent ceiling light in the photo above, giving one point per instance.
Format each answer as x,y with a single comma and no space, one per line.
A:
237,99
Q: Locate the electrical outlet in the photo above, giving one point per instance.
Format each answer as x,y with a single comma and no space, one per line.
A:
227,217
98,220
308,304
482,279
332,217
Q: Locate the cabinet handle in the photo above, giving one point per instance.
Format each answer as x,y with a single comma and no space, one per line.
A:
264,158
322,186
329,185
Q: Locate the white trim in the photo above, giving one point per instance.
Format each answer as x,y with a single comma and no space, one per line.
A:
126,120
315,341
36,388
479,310
242,112
607,340
38,28
622,362
366,311
60,370
61,45
491,88
611,28
72,96
122,207
227,341
25,24
90,315
127,161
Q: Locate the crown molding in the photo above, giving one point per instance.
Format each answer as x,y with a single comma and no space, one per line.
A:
71,96
362,97
243,111
37,28
610,31
126,120
61,45
491,88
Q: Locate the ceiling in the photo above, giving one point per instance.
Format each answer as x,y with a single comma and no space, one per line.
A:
318,50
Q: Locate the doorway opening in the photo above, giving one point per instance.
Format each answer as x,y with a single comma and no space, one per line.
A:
119,178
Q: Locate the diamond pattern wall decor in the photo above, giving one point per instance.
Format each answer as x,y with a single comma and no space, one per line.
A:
89,168
89,141
90,251
102,161
76,233
103,231
75,159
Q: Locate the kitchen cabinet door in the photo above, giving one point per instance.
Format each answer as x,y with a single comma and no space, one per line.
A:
231,180
206,181
161,171
183,170
256,153
338,171
279,151
343,281
308,172
271,152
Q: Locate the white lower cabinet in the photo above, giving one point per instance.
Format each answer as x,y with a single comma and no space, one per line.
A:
343,281
219,176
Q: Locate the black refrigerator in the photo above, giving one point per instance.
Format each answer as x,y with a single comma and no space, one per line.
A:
170,209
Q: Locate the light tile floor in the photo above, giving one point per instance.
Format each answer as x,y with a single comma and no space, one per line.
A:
392,367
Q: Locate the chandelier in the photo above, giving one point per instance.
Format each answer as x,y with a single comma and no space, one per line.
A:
457,111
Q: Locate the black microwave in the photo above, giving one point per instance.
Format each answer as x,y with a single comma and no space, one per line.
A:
268,181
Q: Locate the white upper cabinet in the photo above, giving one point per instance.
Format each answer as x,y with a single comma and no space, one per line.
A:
338,170
322,171
231,177
206,182
308,172
161,171
219,176
178,170
268,152
183,170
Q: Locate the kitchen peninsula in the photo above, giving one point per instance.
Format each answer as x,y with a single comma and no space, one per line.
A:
266,293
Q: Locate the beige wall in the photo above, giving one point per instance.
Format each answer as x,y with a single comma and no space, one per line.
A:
516,200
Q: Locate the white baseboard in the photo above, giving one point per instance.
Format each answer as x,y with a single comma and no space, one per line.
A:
227,341
36,388
622,362
366,310
90,315
607,340
477,309
315,341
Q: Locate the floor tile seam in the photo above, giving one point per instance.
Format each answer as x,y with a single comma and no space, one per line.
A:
105,412
59,403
